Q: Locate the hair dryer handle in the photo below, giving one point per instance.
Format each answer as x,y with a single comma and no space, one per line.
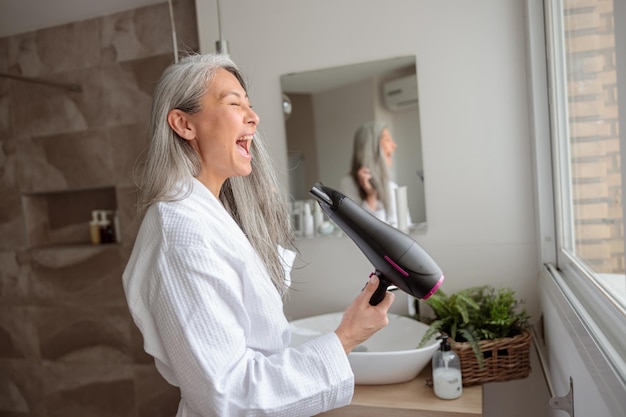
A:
381,291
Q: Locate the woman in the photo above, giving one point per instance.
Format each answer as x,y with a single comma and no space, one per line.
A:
370,180
205,281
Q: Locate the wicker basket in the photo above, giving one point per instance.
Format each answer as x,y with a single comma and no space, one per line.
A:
504,359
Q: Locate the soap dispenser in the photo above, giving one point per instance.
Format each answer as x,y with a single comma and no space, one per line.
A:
447,380
94,228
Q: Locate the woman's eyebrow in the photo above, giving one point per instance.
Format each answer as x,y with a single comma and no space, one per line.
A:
233,93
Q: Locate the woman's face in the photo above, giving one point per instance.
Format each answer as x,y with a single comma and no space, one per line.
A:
388,146
223,130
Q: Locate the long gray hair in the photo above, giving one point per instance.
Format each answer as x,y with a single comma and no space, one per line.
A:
367,153
255,201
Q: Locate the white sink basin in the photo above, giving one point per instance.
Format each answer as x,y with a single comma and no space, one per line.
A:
389,357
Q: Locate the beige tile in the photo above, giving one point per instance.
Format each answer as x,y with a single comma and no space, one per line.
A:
18,334
22,388
127,211
11,219
84,335
88,390
14,278
55,50
6,130
68,346
66,161
55,110
79,277
155,397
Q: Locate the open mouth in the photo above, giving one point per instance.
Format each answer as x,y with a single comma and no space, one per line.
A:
243,144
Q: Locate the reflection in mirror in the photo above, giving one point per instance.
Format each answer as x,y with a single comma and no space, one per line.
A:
328,106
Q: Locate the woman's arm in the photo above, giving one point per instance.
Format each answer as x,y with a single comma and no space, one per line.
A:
202,322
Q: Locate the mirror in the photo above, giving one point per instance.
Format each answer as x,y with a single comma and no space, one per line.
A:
324,108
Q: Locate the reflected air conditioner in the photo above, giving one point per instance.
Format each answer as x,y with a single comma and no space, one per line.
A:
401,93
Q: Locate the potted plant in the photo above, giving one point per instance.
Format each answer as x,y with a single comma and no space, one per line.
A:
488,329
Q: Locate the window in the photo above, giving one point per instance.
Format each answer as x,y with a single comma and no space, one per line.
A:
587,67
589,146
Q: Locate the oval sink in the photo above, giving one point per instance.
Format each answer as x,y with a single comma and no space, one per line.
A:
389,357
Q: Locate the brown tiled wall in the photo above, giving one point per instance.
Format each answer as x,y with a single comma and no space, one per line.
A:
68,346
594,133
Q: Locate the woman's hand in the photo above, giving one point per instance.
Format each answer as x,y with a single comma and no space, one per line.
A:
361,319
364,175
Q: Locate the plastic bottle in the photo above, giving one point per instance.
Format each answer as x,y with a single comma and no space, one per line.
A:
296,216
94,228
116,226
106,229
318,218
447,378
309,227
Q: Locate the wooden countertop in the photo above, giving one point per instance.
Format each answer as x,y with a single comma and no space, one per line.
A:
413,398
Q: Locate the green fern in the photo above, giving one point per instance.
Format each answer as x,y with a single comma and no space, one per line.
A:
475,314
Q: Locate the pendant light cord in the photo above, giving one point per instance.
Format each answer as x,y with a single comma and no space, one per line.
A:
174,37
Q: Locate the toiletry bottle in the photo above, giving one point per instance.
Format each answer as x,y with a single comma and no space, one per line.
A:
94,228
309,227
296,216
106,230
111,226
318,218
116,226
447,380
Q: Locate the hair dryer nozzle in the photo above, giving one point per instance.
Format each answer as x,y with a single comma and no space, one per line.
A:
397,257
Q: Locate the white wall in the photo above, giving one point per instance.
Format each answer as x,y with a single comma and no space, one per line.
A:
475,136
335,134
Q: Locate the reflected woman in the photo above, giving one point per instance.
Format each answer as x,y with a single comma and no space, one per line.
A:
369,181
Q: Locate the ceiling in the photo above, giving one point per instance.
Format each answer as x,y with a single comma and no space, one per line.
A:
330,78
20,16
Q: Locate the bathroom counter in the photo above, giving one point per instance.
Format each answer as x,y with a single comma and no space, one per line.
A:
413,398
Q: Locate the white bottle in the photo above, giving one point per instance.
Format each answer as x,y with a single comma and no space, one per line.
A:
309,226
318,217
447,378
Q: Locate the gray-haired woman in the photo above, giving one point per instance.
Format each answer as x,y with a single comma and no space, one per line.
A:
211,261
369,181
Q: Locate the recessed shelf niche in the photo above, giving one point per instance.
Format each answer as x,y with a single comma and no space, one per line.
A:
61,218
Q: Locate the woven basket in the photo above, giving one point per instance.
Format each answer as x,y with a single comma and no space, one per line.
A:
504,359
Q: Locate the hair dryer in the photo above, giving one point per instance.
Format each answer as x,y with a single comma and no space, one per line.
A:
398,259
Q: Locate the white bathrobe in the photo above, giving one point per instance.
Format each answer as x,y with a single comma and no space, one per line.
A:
214,322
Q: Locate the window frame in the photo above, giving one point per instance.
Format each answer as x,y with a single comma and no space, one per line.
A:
603,319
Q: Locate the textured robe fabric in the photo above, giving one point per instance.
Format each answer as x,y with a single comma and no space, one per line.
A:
214,322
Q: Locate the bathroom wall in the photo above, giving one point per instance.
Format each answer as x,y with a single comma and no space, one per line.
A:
67,344
476,142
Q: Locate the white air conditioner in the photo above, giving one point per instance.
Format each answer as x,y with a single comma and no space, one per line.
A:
401,93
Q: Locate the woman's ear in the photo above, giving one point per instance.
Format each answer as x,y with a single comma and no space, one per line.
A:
178,121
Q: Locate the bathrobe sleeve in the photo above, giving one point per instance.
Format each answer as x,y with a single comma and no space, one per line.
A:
196,300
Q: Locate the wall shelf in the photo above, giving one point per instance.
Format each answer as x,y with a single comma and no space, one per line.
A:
61,218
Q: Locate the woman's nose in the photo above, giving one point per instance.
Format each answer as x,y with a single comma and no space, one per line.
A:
253,118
